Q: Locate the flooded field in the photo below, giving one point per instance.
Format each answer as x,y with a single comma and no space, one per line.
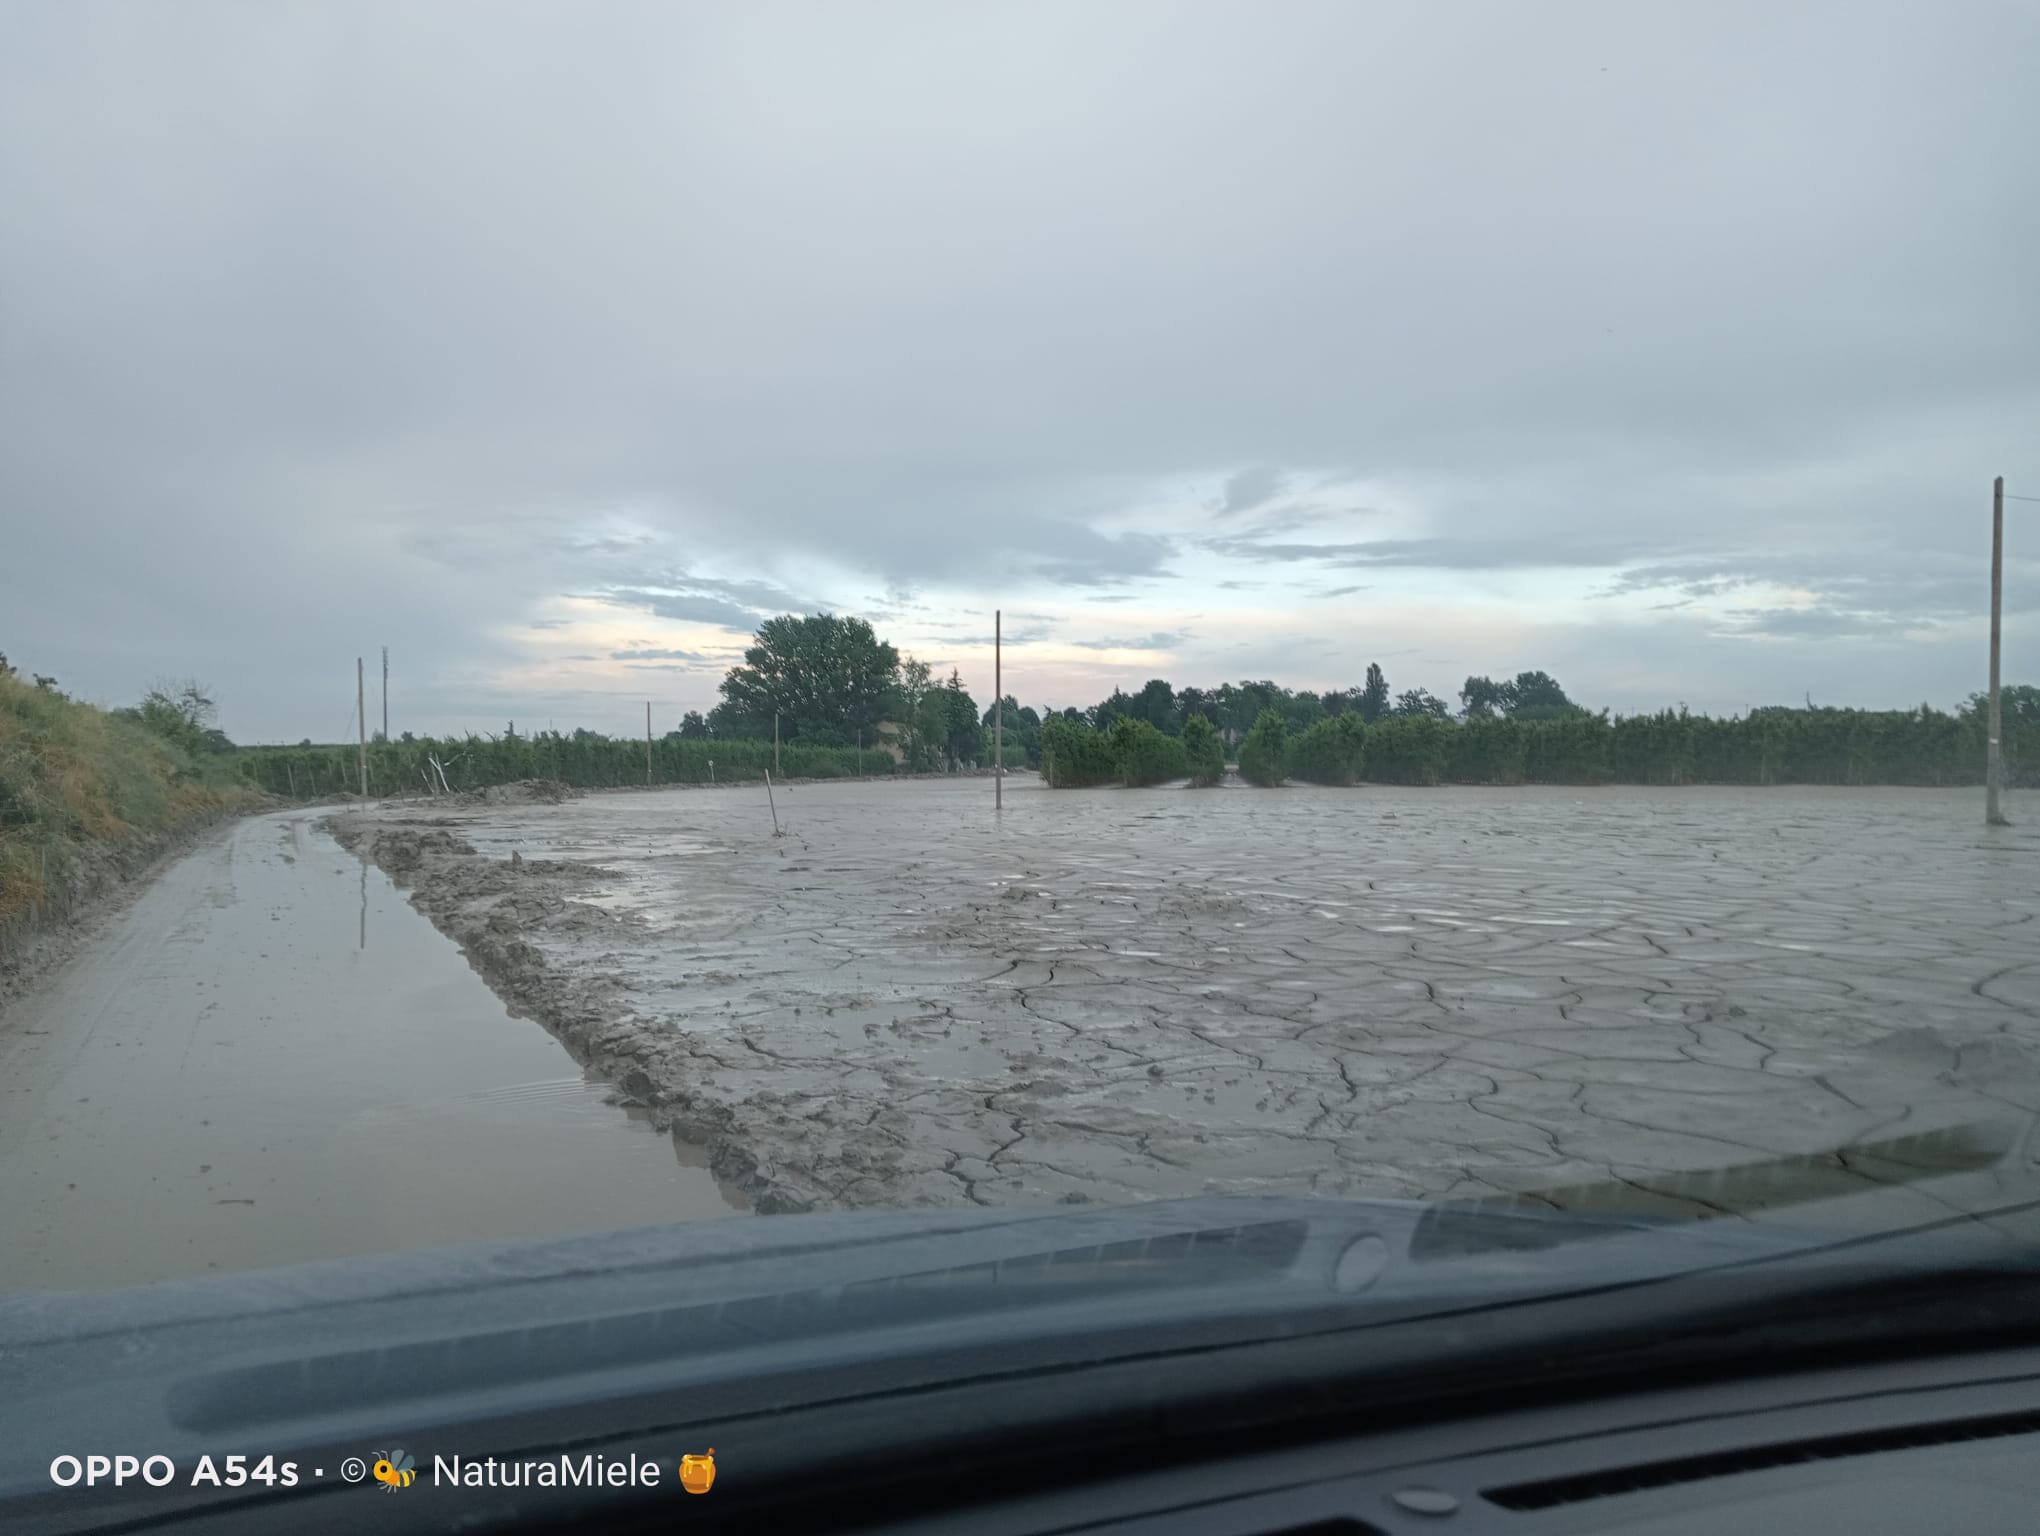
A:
1112,995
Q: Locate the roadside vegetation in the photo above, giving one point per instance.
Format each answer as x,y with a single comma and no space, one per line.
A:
82,787
412,765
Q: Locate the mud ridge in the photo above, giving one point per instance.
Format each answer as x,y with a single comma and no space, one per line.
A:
485,905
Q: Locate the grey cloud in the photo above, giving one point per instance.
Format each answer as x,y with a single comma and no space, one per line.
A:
1820,622
1251,487
1032,634
654,654
1159,640
1442,553
687,607
1099,560
738,606
1857,590
1340,591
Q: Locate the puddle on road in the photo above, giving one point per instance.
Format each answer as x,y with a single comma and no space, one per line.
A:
275,1059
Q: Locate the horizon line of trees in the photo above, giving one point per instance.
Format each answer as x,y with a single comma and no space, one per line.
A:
1772,745
839,695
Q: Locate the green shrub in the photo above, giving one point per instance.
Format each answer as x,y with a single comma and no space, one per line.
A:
583,759
1145,755
1578,749
1203,752
1409,749
1264,755
1073,756
1486,751
1330,752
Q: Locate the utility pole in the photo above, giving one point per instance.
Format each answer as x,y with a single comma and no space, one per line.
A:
361,721
1993,762
998,719
648,743
775,741
385,693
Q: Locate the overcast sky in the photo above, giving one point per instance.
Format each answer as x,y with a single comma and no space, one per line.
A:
1668,348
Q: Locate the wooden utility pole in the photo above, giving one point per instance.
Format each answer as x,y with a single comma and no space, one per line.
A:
648,743
361,720
998,719
775,741
385,693
1993,762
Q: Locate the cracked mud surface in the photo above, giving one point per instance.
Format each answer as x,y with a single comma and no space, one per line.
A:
1119,995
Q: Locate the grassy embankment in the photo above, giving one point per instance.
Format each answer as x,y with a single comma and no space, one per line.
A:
84,793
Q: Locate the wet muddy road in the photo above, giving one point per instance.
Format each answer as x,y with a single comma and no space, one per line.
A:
1113,995
269,1058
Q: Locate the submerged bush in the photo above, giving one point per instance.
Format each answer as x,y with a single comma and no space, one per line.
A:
1264,755
1073,756
1203,752
1409,749
1145,755
1330,752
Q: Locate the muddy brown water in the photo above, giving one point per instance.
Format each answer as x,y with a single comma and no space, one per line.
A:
1116,995
271,1058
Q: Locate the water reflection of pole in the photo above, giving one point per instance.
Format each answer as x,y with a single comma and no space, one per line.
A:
1993,760
364,903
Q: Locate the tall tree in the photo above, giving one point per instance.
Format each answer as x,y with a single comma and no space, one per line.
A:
827,677
1374,697
1537,696
962,739
1302,710
1022,730
1483,698
1421,701
1107,711
1156,704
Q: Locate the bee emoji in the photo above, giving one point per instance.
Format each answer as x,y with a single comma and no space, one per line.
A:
395,1470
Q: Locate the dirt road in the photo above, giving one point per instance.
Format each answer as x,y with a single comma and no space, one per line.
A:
270,1057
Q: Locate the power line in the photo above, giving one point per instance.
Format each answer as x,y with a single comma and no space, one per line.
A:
2010,497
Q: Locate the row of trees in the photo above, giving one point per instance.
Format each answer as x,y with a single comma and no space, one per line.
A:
1923,746
831,682
586,759
1235,707
828,680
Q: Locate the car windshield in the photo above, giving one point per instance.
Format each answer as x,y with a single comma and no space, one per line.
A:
683,616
